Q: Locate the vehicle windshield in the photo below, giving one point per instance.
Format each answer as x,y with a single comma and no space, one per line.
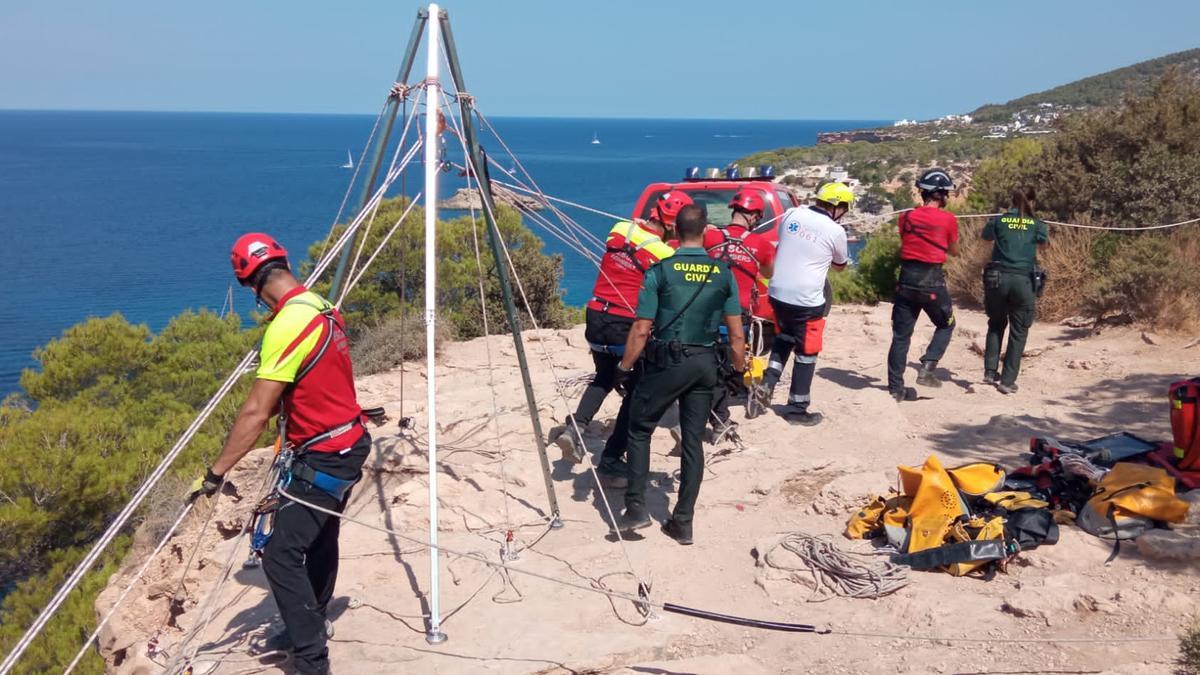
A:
715,202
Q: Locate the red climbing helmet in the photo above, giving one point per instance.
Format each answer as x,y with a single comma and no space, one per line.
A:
748,199
669,205
251,251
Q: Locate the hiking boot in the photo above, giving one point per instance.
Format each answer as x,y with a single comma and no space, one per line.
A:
759,400
282,642
905,394
680,532
677,436
803,417
725,431
573,449
1007,388
991,377
634,518
925,376
614,473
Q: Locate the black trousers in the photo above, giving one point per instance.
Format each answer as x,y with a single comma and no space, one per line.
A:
691,383
1011,305
799,331
908,304
606,329
301,560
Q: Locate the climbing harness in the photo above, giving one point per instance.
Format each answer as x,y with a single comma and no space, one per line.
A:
723,253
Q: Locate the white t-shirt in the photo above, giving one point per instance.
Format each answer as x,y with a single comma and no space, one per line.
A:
809,241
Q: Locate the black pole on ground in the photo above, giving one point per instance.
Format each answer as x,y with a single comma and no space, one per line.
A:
479,160
393,105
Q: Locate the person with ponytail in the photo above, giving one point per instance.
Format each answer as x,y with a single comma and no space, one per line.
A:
1010,286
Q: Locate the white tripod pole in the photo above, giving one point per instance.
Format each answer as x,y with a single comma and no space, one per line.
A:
433,98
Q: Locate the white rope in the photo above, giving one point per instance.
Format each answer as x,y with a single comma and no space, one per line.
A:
834,572
354,177
400,144
457,129
1141,228
647,602
1109,228
132,582
557,200
379,249
554,373
123,517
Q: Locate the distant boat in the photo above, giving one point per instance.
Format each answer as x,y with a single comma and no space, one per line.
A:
349,161
595,139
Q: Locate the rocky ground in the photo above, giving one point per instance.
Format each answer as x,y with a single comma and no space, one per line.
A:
783,479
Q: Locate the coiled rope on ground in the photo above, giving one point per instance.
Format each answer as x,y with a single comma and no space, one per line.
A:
836,572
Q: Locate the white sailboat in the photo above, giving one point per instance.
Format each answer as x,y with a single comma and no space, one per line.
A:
349,161
595,139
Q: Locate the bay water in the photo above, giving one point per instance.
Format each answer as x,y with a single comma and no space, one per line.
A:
134,212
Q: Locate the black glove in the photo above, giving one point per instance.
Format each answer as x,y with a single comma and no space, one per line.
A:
735,384
206,486
621,380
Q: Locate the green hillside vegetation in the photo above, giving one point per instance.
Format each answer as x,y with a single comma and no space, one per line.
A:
880,162
1132,165
1105,89
109,398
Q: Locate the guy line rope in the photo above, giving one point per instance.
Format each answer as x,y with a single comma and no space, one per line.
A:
371,206
160,470
549,360
645,601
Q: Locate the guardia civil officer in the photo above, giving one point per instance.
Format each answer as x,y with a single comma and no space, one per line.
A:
1009,283
305,376
631,248
682,304
928,234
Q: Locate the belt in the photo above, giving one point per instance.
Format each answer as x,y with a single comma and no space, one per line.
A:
331,433
607,307
615,350
699,349
335,487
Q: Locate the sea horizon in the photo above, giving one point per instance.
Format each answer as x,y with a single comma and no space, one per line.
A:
840,120
133,211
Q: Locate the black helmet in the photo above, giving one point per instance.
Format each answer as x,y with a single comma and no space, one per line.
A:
934,180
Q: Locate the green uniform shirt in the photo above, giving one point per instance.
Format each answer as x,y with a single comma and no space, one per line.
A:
1016,238
671,283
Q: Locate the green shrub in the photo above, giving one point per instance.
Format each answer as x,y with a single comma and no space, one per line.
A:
873,278
397,276
109,400
1189,649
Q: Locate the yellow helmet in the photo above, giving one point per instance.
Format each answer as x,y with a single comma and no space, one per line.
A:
835,193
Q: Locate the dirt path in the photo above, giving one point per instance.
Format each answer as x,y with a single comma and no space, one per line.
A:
786,479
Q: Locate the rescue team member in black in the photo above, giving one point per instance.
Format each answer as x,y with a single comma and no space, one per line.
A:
928,234
682,303
305,375
631,248
751,256
1011,285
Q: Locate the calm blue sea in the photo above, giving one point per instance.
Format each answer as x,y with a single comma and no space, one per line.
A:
134,212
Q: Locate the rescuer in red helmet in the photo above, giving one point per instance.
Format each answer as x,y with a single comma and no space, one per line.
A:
631,248
305,376
752,257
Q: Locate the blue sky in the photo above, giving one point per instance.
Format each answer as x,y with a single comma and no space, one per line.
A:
604,58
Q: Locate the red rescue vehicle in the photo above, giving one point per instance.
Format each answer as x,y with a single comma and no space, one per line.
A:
714,189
